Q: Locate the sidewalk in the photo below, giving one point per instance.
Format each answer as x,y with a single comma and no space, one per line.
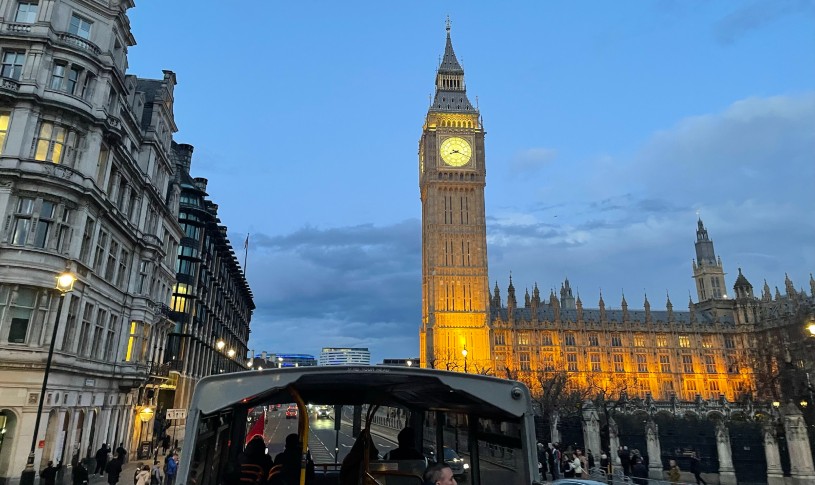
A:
126,478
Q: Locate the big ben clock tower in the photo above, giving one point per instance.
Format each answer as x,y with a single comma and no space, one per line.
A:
455,327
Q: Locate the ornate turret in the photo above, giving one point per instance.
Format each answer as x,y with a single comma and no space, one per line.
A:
647,306
742,287
691,309
536,300
512,304
789,287
602,305
707,268
777,294
765,292
579,307
496,296
669,307
566,298
527,300
624,306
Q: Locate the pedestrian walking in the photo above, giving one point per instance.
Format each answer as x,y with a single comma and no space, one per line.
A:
171,469
80,474
156,474
114,469
49,473
101,459
696,469
673,471
143,475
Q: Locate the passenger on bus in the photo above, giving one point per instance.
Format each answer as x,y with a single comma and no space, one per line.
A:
438,474
289,459
352,464
407,447
254,464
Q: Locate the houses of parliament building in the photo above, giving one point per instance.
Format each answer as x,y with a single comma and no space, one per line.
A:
731,345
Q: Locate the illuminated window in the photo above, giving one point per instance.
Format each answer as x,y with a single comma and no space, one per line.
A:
56,143
642,363
662,340
713,385
546,338
690,385
639,340
684,341
4,120
80,26
568,338
595,363
548,361
707,341
571,361
594,341
13,62
687,363
523,358
523,338
664,363
179,300
710,364
619,366
616,340
732,365
26,12
131,341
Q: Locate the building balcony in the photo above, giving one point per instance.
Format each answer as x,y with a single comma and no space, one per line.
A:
78,42
18,28
7,84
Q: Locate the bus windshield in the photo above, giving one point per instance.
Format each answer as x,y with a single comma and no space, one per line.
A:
349,424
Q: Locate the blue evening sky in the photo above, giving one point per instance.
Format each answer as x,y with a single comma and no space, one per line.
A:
609,126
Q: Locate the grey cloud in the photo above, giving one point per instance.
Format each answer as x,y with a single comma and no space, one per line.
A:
531,160
757,15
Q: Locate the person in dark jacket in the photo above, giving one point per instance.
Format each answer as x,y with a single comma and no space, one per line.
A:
638,471
253,463
114,469
696,468
101,459
80,474
625,459
351,468
289,458
407,447
122,452
49,473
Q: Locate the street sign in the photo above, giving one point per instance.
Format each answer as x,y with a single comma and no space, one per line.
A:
176,414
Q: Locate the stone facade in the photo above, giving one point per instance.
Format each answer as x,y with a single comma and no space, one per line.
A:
86,185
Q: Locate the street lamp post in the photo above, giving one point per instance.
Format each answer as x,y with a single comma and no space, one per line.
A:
464,353
65,283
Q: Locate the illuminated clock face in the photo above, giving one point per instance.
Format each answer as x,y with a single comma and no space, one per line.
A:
456,151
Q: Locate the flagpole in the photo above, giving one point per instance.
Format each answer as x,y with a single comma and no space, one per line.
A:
245,253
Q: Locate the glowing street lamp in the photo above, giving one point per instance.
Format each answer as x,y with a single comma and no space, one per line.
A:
230,353
280,362
65,283
464,353
220,344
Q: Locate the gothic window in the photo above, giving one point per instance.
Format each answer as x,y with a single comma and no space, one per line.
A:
523,338
665,363
619,365
595,363
639,340
546,338
684,341
568,338
642,363
500,339
548,361
707,341
616,340
729,342
687,363
662,340
571,361
594,341
710,364
644,386
523,358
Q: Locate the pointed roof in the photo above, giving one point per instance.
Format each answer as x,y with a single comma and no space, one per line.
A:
451,91
741,281
449,63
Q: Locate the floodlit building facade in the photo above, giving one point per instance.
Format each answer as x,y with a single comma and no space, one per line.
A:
86,186
344,356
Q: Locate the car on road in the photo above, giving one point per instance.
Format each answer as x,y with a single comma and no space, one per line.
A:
291,412
458,466
322,413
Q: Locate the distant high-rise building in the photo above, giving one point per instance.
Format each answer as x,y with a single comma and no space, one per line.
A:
268,360
344,356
